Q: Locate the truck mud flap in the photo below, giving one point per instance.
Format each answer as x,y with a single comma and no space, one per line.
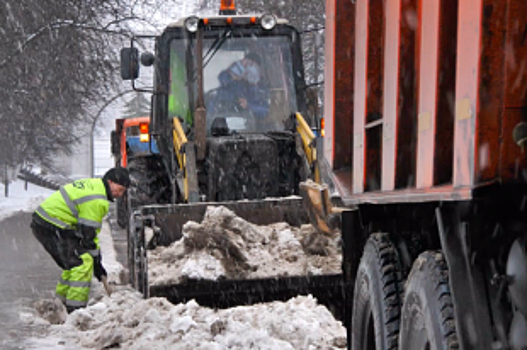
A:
327,289
171,218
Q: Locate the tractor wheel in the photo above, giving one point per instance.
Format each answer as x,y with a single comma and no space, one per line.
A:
131,256
149,182
122,212
428,320
377,296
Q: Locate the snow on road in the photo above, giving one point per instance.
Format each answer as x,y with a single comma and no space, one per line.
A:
127,321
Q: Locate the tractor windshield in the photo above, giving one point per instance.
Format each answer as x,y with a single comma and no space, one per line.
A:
248,82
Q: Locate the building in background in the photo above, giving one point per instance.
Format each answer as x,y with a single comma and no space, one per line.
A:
103,159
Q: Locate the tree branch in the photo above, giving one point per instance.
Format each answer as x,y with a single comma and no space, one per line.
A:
59,25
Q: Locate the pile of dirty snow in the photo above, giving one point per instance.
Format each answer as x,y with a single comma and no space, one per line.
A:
127,321
225,246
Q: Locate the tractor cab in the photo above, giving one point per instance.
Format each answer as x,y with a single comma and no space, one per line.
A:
232,86
245,71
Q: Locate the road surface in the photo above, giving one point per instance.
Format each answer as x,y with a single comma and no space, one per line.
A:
28,273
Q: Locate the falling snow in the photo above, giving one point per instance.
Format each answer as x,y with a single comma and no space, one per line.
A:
126,320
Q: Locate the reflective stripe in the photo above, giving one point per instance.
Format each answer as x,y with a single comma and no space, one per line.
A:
75,284
61,297
91,197
69,202
55,221
76,303
90,223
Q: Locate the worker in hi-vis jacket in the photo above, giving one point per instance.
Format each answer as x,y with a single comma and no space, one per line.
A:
67,224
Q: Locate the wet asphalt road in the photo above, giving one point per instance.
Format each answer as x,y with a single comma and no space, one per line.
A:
28,273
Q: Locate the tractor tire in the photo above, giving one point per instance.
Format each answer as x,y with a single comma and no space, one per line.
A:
428,320
122,212
137,257
149,183
131,256
378,296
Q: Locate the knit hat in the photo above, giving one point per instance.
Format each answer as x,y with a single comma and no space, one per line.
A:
119,176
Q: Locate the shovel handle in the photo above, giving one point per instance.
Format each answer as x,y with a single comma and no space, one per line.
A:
107,287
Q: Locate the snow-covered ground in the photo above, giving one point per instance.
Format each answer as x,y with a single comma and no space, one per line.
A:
21,199
125,320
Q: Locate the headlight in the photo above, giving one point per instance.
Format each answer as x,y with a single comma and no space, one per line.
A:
191,24
268,22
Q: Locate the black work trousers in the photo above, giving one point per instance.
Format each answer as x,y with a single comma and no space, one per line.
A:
63,246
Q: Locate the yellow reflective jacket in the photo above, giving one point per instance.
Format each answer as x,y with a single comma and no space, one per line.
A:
81,202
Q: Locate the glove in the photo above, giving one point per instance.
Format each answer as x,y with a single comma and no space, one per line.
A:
98,270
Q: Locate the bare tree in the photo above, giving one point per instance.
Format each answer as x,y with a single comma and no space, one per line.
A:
308,17
57,59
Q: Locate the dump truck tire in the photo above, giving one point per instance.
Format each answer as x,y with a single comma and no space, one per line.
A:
377,297
428,320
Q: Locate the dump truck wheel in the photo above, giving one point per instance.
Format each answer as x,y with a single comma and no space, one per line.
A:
428,320
377,297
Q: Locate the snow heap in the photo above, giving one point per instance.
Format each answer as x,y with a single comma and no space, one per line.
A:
226,246
127,321
223,245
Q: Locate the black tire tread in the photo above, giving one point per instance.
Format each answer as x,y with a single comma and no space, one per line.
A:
391,277
434,263
387,260
148,181
122,212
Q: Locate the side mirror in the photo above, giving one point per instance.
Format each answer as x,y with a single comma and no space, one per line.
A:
116,149
129,63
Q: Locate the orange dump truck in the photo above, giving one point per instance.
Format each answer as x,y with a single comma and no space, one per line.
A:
426,119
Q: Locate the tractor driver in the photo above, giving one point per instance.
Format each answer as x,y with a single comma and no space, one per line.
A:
242,89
